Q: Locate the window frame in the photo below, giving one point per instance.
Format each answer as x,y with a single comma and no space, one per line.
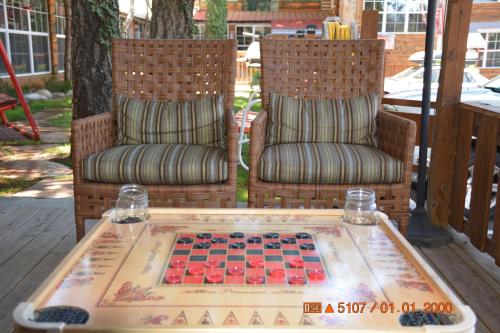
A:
254,38
389,11
487,50
7,32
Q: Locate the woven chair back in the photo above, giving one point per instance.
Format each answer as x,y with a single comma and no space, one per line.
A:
174,70
309,68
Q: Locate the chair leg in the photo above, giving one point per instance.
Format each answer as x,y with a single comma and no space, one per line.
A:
80,227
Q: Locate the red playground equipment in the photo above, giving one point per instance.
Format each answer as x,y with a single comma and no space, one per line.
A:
8,103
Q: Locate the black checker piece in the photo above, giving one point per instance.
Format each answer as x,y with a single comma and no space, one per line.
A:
307,246
201,246
273,246
185,240
237,235
62,314
254,240
219,240
289,240
272,235
303,235
239,245
204,235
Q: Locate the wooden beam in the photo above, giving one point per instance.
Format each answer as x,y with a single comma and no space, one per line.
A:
369,24
446,121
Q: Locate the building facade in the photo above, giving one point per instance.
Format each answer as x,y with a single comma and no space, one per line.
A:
33,33
402,24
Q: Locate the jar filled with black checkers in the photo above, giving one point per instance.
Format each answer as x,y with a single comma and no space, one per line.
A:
360,206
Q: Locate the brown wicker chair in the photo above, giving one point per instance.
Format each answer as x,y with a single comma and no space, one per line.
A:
174,70
329,69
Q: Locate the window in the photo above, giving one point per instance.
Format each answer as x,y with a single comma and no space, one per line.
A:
60,34
24,31
399,16
246,34
139,29
20,53
491,55
199,31
3,70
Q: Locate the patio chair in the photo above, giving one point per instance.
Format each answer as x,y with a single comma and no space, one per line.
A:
316,174
183,71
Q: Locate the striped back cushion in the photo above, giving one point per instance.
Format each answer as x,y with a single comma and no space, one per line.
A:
197,122
294,120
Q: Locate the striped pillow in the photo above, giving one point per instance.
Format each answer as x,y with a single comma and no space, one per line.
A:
294,120
197,122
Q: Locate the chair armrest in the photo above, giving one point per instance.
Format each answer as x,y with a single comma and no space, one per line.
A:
232,146
257,142
91,135
396,137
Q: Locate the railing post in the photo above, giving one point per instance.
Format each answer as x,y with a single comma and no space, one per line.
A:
482,179
446,121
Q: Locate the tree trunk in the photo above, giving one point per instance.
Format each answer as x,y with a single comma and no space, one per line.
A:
172,19
67,47
91,58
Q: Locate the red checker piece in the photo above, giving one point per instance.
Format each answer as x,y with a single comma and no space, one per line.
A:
236,270
173,278
256,263
255,279
277,272
196,270
178,264
316,274
296,263
297,280
214,278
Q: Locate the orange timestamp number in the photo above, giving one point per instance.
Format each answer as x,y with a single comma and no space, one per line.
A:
382,307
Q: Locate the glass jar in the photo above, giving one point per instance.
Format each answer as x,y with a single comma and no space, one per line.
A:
132,205
360,206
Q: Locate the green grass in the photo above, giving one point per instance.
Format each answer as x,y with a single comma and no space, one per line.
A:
241,102
17,114
9,186
242,179
62,121
61,154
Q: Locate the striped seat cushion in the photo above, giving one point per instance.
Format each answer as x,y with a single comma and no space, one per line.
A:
295,120
328,163
196,122
157,164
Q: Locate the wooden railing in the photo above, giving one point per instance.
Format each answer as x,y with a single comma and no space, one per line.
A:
243,72
483,122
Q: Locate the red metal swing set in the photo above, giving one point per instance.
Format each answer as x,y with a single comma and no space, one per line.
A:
8,103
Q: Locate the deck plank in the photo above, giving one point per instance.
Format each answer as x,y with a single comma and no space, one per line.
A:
16,219
32,280
466,283
20,264
480,326
17,239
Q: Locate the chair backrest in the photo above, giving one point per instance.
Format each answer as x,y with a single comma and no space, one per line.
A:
174,70
309,68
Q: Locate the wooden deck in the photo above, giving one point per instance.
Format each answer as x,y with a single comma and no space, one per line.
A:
36,234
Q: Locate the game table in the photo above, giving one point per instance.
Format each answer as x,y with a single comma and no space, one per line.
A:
215,270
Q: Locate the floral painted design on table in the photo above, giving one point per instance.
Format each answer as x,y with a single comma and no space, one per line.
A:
164,229
419,285
332,231
153,320
76,282
130,293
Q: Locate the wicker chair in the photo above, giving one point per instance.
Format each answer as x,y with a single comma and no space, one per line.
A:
329,69
174,70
